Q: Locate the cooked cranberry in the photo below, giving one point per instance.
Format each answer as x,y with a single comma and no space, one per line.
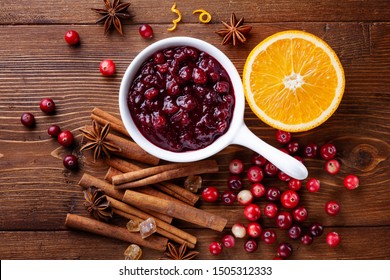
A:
332,166
228,197
300,214
285,250
258,159
310,150
313,185
351,182
28,120
332,208
210,194
222,87
283,176
272,194
333,239
228,241
47,105
146,31
294,232
294,184
70,162
72,37
199,76
284,220
250,245
255,174
271,210
268,236
293,147
65,138
151,93
270,169
236,166
257,190
245,197
107,67
283,136
215,248
252,212
254,229
54,131
306,239
328,151
234,183
316,230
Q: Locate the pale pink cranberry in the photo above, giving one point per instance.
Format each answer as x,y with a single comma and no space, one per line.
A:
239,230
236,166
332,166
245,197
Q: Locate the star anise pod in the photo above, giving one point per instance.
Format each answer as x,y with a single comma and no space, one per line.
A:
97,136
112,14
179,254
97,204
235,31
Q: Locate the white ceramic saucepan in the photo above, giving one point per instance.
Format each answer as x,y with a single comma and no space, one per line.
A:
238,132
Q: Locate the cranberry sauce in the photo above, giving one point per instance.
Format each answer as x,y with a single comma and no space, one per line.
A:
181,99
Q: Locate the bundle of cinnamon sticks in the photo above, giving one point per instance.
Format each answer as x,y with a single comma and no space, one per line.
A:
137,192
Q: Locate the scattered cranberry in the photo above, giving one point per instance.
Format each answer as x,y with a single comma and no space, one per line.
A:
271,210
146,31
255,174
351,182
70,162
284,220
228,241
300,214
65,138
283,176
257,190
234,183
215,248
268,236
284,250
332,166
28,120
272,194
228,197
258,159
54,131
270,169
313,185
47,105
283,137
316,230
250,246
72,37
332,208
310,150
293,147
294,232
210,194
306,239
333,239
254,229
107,67
239,230
245,197
294,184
236,166
289,199
252,212
328,151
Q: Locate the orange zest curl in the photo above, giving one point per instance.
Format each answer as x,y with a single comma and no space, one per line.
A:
177,20
204,16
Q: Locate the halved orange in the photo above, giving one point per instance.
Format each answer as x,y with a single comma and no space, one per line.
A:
293,81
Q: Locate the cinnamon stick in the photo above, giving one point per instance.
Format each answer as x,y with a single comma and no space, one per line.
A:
89,180
94,226
103,118
177,210
207,166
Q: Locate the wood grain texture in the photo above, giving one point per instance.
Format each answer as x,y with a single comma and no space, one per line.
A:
36,192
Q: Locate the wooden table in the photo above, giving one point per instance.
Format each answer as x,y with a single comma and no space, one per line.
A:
37,192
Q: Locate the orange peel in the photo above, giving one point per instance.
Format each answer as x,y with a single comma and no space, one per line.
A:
177,20
204,16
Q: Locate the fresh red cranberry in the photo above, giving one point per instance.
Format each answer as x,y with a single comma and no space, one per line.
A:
283,137
210,194
47,105
277,258
272,194
332,166
271,210
258,159
310,150
72,37
236,166
146,31
284,220
289,199
250,245
328,151
284,250
268,236
316,230
228,241
254,229
333,239
294,232
255,174
65,138
54,131
199,76
332,208
70,162
239,230
28,120
107,67
306,239
351,182
313,185
257,190
215,248
293,147
300,214
234,183
252,212
294,184
245,197
228,197
283,176
270,169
